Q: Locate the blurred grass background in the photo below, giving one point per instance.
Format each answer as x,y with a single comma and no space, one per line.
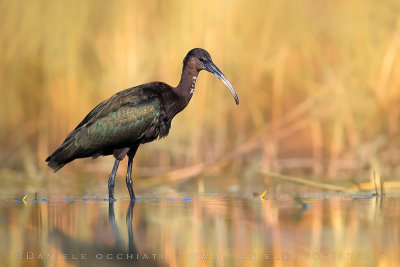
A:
318,83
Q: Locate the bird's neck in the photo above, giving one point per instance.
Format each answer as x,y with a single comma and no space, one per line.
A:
185,88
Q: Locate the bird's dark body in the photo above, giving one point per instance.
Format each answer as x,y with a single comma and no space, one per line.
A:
132,117
129,118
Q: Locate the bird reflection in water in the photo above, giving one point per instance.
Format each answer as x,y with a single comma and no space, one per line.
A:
111,217
101,254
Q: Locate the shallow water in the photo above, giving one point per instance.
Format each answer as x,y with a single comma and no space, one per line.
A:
218,230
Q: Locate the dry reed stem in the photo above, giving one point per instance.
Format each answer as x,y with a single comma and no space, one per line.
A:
307,182
382,186
373,174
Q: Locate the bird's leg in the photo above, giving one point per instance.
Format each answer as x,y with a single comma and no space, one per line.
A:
129,179
111,180
131,155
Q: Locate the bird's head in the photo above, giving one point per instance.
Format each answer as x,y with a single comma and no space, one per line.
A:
200,59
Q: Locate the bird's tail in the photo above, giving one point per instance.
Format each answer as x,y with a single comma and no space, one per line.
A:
64,154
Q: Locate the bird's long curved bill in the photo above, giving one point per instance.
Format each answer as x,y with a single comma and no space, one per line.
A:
214,70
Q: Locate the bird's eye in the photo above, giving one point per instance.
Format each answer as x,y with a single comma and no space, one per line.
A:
202,59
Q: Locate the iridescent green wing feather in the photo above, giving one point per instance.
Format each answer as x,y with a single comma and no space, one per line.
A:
119,121
120,127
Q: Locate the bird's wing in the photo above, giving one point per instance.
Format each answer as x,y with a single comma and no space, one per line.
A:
130,96
119,121
119,128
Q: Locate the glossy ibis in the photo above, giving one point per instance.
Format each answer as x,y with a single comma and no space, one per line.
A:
132,117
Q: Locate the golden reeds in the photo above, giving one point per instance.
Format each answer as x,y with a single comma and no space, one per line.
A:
318,82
